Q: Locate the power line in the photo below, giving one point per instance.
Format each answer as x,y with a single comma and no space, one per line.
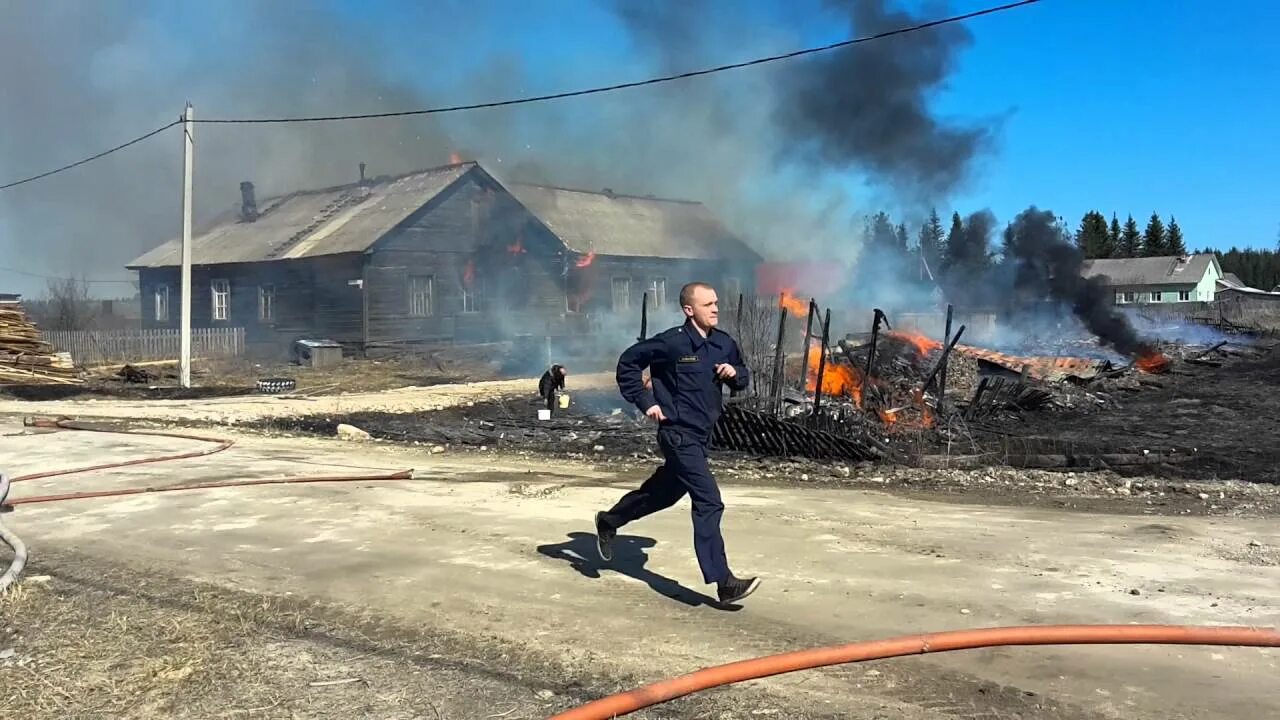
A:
104,153
639,83
553,96
16,271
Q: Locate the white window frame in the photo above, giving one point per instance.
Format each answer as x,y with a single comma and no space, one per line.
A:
658,293
220,290
1184,296
473,297
421,291
624,283
1157,296
161,299
267,302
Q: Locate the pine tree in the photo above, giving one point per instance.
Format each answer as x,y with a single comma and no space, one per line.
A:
955,241
1113,237
1153,240
1092,237
932,242
902,238
1173,238
1130,239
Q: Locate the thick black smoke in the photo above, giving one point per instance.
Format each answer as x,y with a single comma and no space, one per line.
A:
1044,261
866,107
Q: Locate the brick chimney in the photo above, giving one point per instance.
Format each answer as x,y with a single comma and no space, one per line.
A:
248,203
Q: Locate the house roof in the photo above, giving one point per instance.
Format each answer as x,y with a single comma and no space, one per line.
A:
1231,280
310,223
612,224
351,218
1173,270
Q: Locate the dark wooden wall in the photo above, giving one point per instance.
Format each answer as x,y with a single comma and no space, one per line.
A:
473,233
313,298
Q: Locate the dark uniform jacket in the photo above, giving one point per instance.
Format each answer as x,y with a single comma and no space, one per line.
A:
682,364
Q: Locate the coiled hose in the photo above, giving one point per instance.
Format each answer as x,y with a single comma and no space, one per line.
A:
8,537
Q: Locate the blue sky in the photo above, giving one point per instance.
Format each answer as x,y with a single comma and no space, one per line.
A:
1125,106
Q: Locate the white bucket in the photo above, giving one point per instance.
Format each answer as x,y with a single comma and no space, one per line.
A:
544,414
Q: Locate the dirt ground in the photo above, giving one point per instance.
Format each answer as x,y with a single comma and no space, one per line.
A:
477,578
238,377
81,639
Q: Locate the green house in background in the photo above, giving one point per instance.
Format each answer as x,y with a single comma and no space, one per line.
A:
1149,280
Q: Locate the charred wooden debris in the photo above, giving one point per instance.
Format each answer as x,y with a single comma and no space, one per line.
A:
889,393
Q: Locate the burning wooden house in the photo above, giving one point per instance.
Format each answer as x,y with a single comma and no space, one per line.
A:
448,254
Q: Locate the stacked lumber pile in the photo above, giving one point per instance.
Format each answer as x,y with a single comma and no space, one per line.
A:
26,359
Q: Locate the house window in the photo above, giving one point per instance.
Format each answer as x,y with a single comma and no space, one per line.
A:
473,297
658,293
162,303
1184,296
621,294
1157,296
732,289
1126,297
221,299
266,303
421,295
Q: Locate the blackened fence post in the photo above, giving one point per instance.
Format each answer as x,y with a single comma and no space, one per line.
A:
822,362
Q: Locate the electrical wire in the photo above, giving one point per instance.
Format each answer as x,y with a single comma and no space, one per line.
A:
91,158
16,271
635,84
552,96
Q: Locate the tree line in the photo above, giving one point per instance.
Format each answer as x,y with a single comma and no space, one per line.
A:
957,254
1097,238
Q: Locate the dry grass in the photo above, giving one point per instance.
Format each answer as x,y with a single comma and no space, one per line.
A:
92,640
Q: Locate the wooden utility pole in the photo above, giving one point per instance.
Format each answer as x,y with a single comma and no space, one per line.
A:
188,151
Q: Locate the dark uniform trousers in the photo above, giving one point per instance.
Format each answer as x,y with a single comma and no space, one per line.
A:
685,471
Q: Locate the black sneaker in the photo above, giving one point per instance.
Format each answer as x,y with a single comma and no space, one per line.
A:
734,589
604,536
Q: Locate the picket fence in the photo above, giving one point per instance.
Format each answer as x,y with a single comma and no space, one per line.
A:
107,347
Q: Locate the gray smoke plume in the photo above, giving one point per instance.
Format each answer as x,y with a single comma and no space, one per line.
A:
1043,259
118,71
866,107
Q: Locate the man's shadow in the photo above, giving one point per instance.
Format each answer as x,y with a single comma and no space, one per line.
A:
629,558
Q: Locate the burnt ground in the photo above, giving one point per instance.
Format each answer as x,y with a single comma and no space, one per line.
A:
1210,422
1222,414
88,638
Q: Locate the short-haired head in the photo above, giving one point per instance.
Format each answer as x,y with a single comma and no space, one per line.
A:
699,302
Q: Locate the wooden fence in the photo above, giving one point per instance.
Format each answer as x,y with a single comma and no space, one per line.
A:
92,347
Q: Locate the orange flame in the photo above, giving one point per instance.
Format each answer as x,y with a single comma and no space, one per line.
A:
837,379
1152,362
923,343
518,247
469,273
455,158
926,415
794,305
586,260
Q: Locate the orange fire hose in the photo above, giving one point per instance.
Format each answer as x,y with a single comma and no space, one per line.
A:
673,688
398,475
219,443
20,552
